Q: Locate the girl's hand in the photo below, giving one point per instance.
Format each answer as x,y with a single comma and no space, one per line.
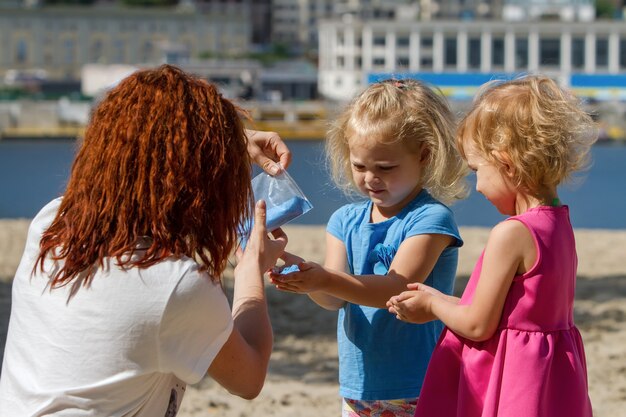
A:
412,306
260,248
418,286
310,278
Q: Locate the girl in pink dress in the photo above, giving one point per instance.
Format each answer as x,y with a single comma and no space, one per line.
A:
510,347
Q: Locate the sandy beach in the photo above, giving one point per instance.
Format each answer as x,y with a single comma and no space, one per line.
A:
303,368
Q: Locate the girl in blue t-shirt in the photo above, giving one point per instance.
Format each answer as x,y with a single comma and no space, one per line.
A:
394,144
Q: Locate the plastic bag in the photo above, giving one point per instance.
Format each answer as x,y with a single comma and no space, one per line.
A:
284,201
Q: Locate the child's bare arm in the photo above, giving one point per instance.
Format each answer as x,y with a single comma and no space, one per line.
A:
510,251
413,262
336,259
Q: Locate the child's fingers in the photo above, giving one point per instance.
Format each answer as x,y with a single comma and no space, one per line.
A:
287,279
305,266
414,285
404,295
291,259
285,287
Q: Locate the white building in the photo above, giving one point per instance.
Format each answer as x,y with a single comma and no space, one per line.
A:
460,55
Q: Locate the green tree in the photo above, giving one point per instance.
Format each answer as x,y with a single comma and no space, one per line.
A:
605,9
70,2
143,3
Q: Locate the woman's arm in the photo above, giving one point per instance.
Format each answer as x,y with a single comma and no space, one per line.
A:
241,364
510,251
413,262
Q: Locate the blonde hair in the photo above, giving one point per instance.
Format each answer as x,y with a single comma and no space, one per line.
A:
533,125
408,111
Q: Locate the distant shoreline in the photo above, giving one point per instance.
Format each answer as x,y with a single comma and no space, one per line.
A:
66,138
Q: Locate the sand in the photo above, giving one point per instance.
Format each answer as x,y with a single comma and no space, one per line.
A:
303,369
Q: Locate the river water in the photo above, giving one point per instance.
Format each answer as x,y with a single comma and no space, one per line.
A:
32,172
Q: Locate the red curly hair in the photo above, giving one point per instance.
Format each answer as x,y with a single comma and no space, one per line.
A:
164,156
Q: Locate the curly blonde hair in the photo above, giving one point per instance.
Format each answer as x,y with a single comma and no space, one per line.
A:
401,110
534,126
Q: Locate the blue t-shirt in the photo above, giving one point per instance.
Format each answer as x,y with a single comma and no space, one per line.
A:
381,357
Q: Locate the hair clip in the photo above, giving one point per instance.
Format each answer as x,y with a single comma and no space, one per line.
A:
398,83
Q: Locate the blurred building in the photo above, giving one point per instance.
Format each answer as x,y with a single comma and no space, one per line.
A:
260,15
289,81
295,22
60,40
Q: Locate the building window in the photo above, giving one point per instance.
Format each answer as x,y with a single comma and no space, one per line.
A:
474,53
497,52
549,52
403,41
96,52
147,49
379,41
602,52
426,62
622,53
48,47
521,53
119,51
358,61
69,51
427,42
341,62
378,62
450,52
21,51
578,53
403,62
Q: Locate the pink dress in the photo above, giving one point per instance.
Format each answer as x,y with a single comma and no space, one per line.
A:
534,364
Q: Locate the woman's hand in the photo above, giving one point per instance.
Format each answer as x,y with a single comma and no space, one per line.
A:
266,149
241,365
259,247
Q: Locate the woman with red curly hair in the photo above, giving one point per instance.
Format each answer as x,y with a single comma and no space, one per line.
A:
117,302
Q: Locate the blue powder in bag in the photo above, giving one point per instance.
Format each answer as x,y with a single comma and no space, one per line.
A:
278,216
287,211
288,269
